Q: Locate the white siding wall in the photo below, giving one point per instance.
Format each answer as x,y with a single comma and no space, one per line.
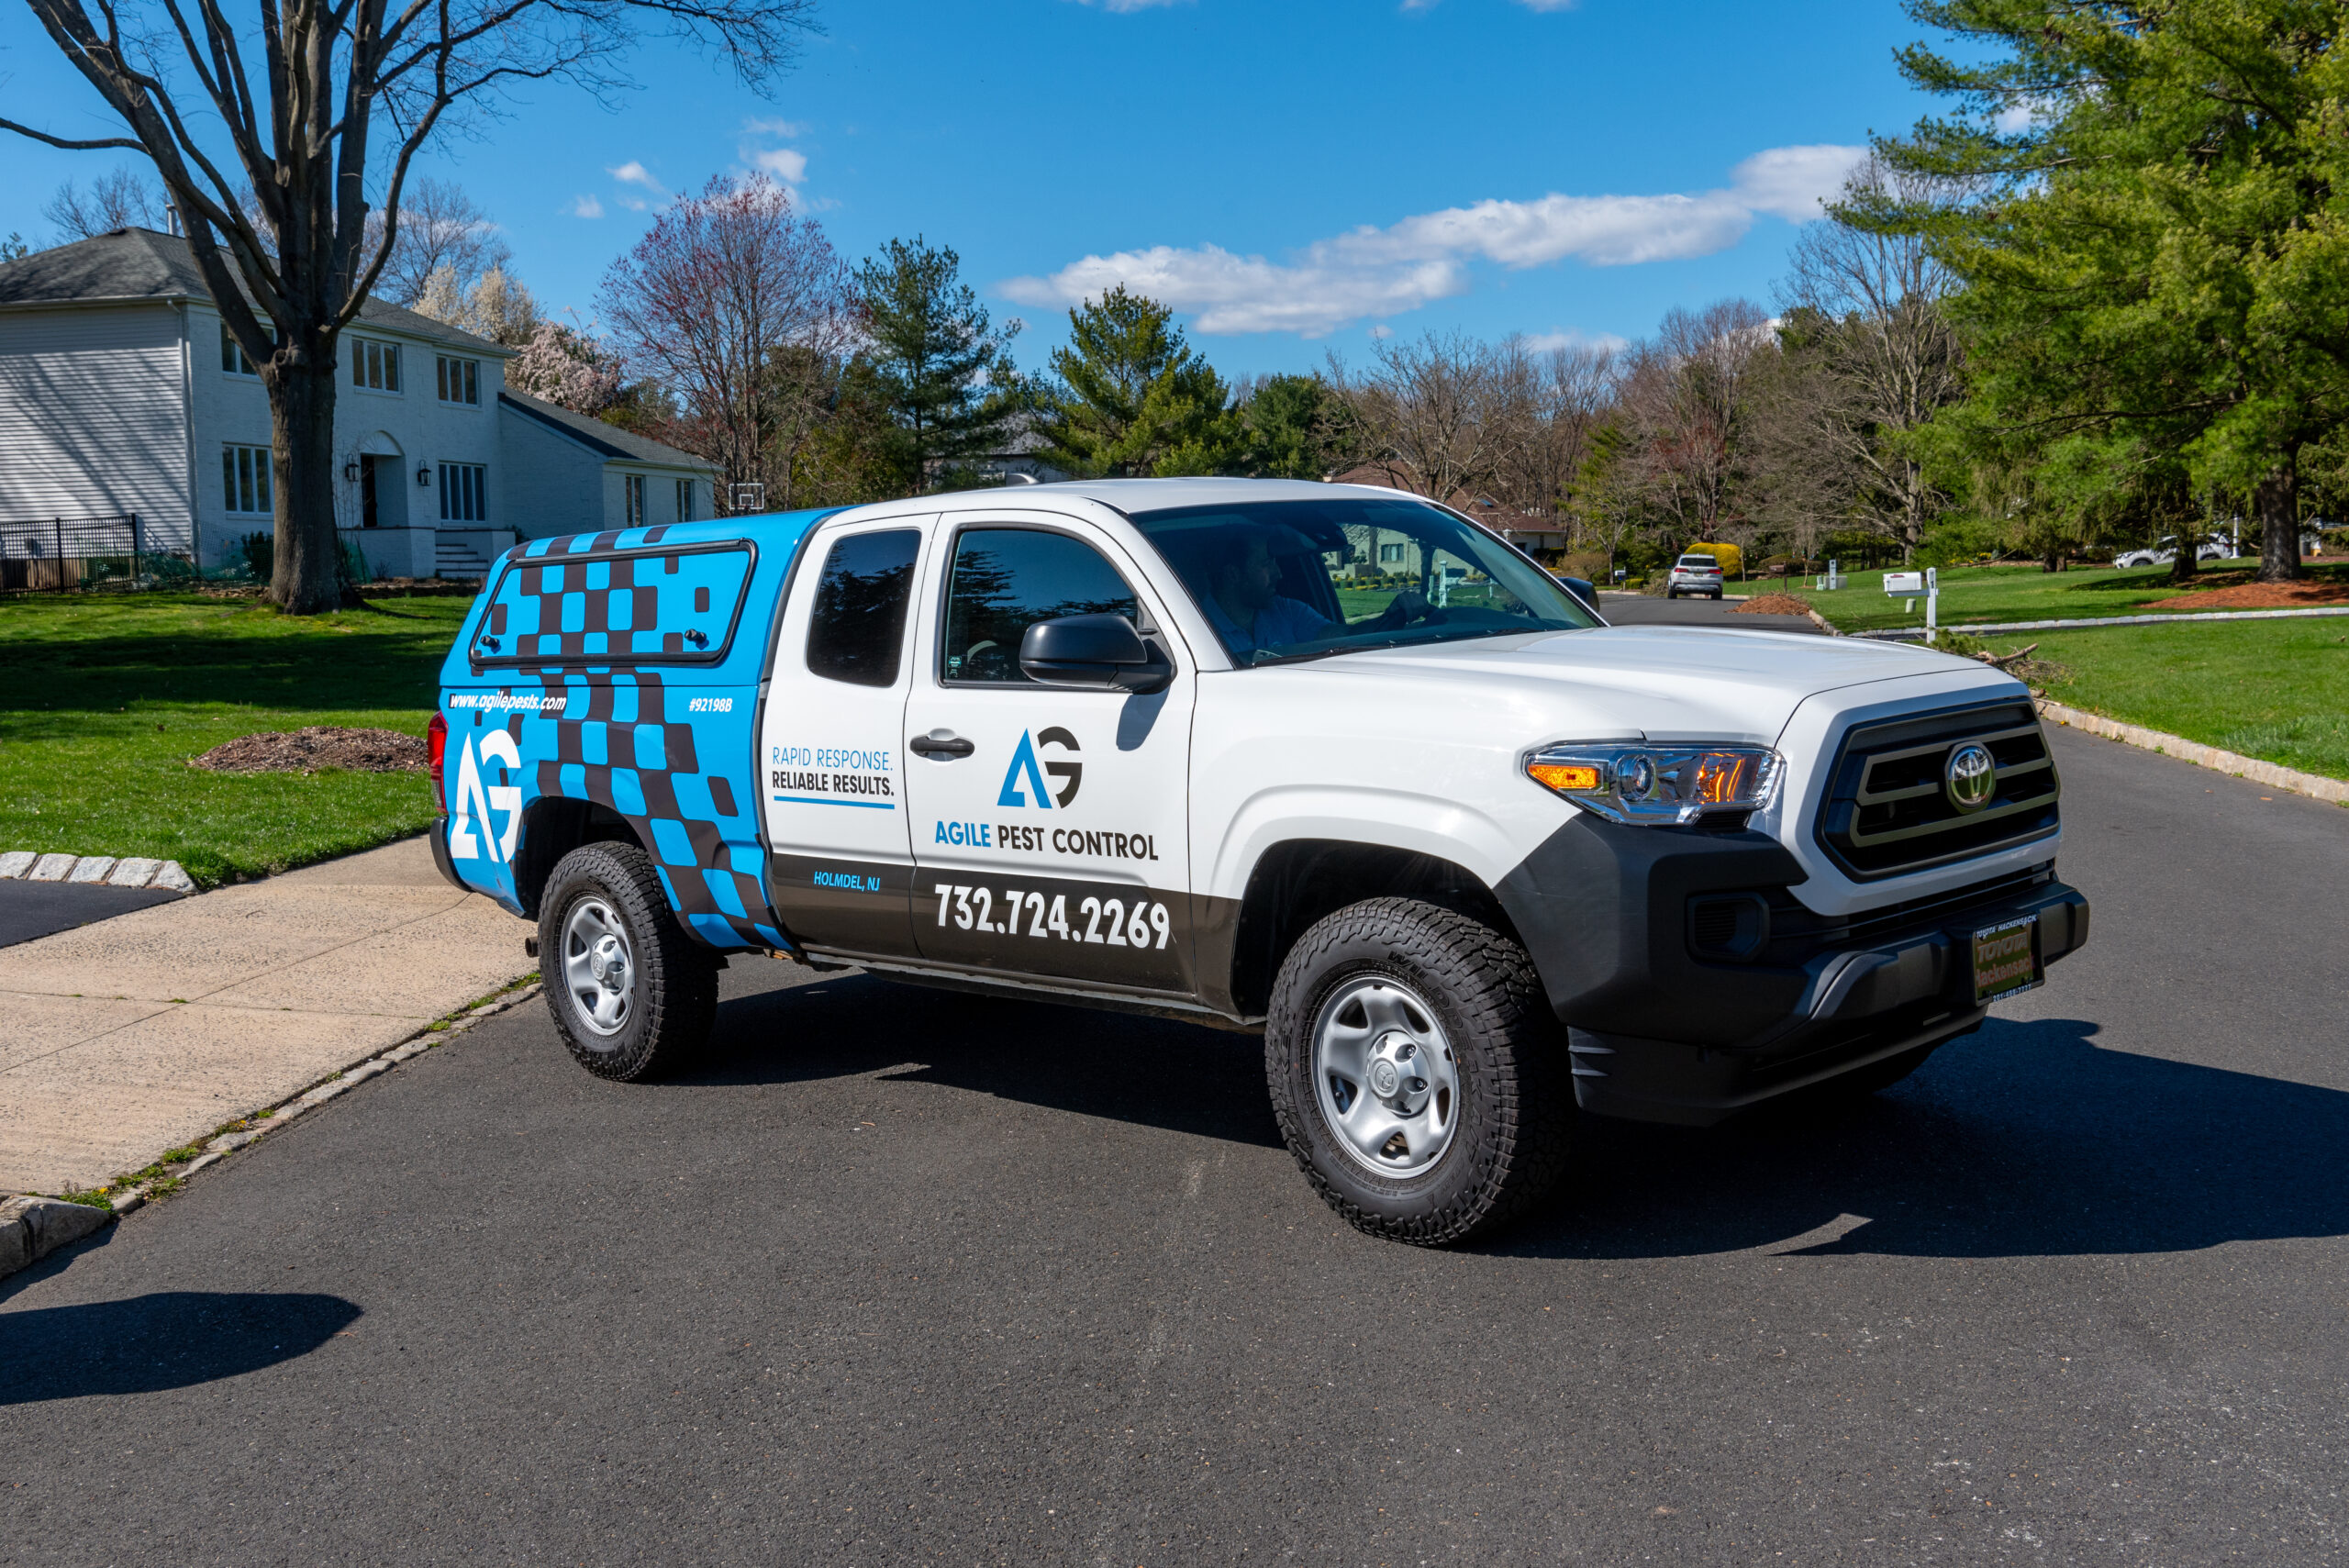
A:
91,416
233,409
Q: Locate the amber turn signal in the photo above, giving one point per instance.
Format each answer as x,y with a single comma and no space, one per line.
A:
1564,776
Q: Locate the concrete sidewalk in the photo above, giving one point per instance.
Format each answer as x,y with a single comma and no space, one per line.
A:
140,1033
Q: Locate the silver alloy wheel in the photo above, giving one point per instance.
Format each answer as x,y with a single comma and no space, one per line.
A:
1384,1077
599,969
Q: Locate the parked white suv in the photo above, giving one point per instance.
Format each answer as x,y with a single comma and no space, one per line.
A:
2165,552
1323,761
1693,575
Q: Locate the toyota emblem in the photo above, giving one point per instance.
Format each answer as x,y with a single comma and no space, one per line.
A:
1970,777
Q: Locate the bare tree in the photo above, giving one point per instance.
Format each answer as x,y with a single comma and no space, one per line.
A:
440,227
290,112
122,199
1563,394
707,303
1885,358
1684,392
1436,416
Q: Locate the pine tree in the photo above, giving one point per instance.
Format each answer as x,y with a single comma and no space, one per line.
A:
942,367
1134,398
2158,276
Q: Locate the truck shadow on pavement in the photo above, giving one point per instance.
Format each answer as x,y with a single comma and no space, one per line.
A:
2024,1140
1062,1058
142,1344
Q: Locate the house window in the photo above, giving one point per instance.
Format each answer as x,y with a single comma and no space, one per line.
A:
232,355
635,488
460,379
1389,553
244,478
375,366
684,500
465,493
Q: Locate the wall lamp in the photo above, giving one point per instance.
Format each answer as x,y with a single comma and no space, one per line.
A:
424,473
350,474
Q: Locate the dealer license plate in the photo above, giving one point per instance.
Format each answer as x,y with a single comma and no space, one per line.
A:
2006,960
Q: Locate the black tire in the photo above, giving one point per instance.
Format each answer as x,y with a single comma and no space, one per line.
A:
1510,1132
665,1008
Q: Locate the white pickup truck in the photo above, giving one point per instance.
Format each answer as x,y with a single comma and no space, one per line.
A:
1326,760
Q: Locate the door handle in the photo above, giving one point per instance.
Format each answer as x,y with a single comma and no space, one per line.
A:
938,747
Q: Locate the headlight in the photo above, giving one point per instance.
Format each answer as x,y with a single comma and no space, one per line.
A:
1661,785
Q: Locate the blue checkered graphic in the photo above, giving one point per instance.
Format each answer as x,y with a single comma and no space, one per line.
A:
662,736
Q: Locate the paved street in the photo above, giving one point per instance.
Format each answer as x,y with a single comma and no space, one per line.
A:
904,1277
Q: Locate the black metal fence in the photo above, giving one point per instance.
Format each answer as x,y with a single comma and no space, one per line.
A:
77,552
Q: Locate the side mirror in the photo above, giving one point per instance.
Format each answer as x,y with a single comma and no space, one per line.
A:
1581,589
1102,652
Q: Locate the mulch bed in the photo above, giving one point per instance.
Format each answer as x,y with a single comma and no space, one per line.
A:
1775,605
316,746
2259,596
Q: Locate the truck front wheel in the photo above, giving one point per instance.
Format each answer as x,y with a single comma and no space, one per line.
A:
630,991
1417,1074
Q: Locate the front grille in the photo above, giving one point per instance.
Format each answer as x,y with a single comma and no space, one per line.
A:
1886,811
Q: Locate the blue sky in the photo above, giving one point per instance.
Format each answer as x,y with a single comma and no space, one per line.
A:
1296,176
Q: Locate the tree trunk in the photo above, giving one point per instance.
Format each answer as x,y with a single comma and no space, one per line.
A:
307,579
2185,563
2279,500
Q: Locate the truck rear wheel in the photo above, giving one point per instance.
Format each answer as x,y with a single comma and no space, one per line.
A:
1417,1074
630,991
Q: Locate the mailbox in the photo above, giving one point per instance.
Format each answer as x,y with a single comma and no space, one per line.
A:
1904,584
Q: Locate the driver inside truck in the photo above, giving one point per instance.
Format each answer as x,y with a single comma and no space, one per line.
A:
1251,614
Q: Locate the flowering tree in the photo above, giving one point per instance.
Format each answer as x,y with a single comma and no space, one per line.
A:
566,366
712,299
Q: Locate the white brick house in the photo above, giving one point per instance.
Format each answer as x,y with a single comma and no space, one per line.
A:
121,395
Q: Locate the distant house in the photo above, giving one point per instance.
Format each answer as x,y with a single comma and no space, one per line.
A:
122,395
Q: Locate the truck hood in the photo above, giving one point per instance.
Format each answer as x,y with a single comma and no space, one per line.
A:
1658,682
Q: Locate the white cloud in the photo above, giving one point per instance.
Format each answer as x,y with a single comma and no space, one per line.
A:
1542,342
774,128
1548,5
586,206
1380,333
1134,4
1792,181
634,173
1382,272
785,163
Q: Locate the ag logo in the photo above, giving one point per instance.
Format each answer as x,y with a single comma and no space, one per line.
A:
1970,777
1024,778
473,803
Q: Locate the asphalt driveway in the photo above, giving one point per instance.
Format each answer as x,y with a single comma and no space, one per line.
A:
904,1277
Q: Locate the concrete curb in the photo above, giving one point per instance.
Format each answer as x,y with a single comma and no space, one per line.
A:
30,866
123,1199
33,1228
2314,785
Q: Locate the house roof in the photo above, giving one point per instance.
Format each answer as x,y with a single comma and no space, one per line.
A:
133,265
596,436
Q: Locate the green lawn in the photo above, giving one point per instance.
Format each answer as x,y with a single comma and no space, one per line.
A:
1977,594
104,697
2277,690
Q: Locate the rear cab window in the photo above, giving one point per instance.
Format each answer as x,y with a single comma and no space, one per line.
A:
675,605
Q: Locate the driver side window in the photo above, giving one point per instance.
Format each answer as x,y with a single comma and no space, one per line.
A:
1005,581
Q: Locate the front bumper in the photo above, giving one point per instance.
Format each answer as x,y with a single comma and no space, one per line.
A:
1665,1029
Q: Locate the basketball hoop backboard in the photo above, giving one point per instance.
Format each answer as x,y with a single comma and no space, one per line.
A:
750,499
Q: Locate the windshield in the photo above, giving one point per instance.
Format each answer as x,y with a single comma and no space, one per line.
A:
1281,581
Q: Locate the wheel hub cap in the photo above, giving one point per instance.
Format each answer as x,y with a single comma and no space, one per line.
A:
1385,1078
599,969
